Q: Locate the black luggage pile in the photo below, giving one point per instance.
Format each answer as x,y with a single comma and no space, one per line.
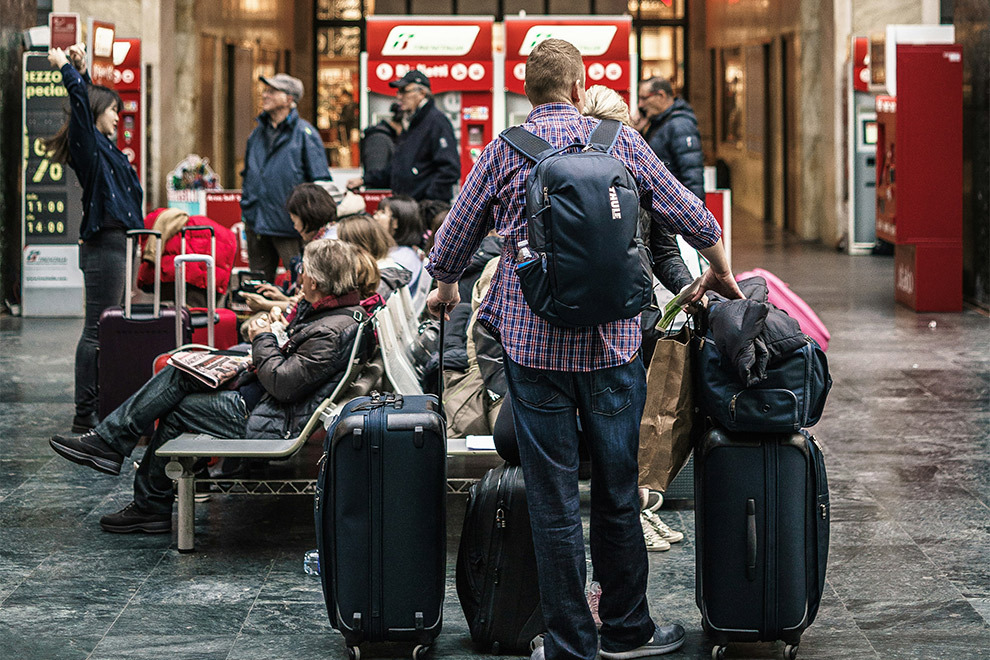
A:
761,492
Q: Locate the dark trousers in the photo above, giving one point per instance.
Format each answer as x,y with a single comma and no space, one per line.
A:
102,260
180,403
610,402
264,252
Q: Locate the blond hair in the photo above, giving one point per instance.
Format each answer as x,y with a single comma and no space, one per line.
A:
552,69
601,102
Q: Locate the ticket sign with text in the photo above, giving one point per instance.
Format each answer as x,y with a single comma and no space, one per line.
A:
454,53
64,30
52,198
602,40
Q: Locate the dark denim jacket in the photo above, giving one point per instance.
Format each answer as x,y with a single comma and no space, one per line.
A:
111,188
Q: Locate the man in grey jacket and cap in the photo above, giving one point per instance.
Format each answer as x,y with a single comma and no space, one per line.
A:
283,151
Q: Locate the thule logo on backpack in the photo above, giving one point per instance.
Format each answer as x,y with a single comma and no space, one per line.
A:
613,201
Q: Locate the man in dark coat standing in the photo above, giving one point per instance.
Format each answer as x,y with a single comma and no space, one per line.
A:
283,151
670,127
426,163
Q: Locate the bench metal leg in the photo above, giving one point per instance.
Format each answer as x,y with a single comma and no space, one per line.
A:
186,486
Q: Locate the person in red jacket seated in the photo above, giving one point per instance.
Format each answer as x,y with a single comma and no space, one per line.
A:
169,222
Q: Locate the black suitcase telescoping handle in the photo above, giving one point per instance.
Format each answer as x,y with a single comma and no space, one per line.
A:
129,269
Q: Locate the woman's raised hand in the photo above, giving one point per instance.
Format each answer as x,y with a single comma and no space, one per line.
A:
57,58
77,55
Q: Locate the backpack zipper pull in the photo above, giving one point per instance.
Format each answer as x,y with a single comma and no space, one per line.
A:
546,196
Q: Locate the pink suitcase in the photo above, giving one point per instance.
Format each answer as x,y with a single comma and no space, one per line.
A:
782,297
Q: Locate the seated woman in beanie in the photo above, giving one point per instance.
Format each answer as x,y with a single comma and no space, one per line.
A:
278,395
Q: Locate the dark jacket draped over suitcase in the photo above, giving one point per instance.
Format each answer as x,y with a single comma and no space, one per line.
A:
751,332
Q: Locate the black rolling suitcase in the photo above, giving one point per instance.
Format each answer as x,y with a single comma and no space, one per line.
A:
496,565
381,522
130,338
762,526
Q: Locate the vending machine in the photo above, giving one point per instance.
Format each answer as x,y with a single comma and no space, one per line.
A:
862,151
602,40
919,175
129,83
455,53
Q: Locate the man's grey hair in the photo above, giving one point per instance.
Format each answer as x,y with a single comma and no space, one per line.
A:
658,84
426,90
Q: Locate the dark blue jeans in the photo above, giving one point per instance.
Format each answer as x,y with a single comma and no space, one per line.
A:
610,403
180,403
102,260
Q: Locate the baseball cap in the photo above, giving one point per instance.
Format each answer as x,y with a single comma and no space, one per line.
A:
283,82
414,76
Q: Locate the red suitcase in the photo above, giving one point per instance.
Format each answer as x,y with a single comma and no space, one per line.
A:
131,338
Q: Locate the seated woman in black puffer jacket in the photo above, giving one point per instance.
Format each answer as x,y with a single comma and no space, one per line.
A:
282,389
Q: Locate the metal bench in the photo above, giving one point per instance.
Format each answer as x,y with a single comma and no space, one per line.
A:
358,379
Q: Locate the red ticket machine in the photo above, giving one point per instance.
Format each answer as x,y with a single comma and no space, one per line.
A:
919,176
602,40
455,53
127,81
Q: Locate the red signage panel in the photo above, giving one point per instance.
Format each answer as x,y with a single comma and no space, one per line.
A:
602,41
100,44
454,53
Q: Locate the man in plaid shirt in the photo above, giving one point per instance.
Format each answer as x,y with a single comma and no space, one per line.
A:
555,374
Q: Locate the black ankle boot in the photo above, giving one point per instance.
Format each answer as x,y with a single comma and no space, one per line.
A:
84,423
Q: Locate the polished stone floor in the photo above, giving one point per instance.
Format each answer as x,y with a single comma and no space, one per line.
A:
906,436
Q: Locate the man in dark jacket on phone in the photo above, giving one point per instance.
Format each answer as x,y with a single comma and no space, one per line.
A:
284,386
426,163
669,126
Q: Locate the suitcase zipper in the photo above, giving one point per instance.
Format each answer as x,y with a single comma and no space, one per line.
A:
377,420
498,537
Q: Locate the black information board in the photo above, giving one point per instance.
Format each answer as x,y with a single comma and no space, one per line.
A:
52,202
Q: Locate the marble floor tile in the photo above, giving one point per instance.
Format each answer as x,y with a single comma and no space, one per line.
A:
201,646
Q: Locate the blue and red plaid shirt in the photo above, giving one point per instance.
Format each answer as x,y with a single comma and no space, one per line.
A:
494,197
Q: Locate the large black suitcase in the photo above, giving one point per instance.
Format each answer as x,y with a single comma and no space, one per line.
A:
496,565
381,520
131,337
762,526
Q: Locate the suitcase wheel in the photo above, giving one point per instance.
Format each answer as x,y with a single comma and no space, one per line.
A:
790,652
419,653
353,653
718,652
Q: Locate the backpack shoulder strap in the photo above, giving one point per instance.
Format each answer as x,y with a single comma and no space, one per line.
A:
605,134
529,145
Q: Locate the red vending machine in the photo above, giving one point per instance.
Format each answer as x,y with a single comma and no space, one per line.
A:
602,40
127,81
455,53
919,176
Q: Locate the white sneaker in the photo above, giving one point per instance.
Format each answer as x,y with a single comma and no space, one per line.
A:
666,533
654,542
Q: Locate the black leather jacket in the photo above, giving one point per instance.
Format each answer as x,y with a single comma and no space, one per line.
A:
302,373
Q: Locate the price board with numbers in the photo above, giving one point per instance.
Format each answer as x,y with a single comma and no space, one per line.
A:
51,199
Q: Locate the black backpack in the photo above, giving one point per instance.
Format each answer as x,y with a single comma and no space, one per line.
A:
582,207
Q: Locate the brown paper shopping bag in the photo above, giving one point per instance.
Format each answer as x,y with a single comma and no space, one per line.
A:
665,431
